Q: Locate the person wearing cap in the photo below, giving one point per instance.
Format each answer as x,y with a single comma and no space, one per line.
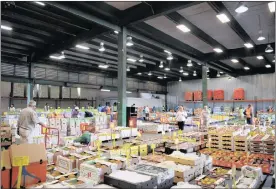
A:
27,122
75,112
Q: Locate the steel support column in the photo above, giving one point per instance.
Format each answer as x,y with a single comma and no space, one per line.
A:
30,84
122,77
204,86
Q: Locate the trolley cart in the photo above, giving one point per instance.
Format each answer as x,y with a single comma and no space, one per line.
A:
47,132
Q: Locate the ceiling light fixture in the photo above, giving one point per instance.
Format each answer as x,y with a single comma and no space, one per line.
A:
40,3
58,57
104,66
234,60
180,79
6,28
128,69
269,49
246,68
101,49
167,69
260,57
271,6
221,72
82,47
241,8
189,64
105,90
223,18
129,42
218,50
207,70
186,73
208,77
194,74
248,45
268,66
149,73
170,57
218,74
139,73
273,60
261,37
183,28
165,76
128,92
116,32
131,60
167,52
141,58
229,78
161,64
181,69
160,77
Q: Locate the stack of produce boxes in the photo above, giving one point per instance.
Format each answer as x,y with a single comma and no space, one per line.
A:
255,143
268,144
240,143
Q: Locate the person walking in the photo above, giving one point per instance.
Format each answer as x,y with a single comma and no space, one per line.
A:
249,114
205,117
181,117
27,122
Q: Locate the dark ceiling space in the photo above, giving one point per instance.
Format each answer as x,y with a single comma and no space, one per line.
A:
39,32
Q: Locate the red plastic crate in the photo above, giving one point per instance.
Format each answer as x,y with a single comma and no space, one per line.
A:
218,94
198,95
188,96
239,94
210,95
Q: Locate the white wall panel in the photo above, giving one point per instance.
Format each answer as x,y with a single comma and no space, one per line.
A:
18,89
54,92
5,89
65,92
74,93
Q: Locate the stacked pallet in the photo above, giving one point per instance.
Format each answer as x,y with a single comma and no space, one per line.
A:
255,144
218,94
198,96
188,96
239,94
268,144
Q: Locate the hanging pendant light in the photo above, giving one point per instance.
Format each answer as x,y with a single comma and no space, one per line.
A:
165,76
180,79
207,70
101,49
181,69
268,49
218,74
161,64
128,69
141,58
194,74
149,73
186,73
189,64
170,57
241,8
129,42
261,37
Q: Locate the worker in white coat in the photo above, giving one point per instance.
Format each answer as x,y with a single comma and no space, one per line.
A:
27,122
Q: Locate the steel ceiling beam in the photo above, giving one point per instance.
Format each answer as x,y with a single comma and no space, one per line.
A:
150,9
83,15
179,19
18,41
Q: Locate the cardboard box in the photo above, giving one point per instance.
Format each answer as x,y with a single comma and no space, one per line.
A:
37,164
5,169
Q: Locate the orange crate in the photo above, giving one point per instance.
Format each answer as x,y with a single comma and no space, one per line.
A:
218,94
198,95
239,94
188,96
210,95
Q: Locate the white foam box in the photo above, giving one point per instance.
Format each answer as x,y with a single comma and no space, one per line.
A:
90,173
65,165
58,123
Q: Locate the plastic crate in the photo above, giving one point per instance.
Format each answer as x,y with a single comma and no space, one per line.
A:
239,94
188,96
218,94
198,95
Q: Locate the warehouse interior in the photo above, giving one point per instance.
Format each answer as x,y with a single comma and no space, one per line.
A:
135,66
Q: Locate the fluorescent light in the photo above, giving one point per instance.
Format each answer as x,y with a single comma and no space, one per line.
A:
58,57
131,60
139,73
165,76
40,3
260,57
246,68
268,66
269,49
186,73
105,66
102,47
221,72
105,90
181,69
260,38
241,8
248,45
160,77
129,42
167,52
218,50
170,57
128,92
234,60
161,65
223,18
6,27
189,64
271,6
167,69
82,47
183,28
116,32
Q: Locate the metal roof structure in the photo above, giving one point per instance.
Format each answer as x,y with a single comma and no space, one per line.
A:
43,30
